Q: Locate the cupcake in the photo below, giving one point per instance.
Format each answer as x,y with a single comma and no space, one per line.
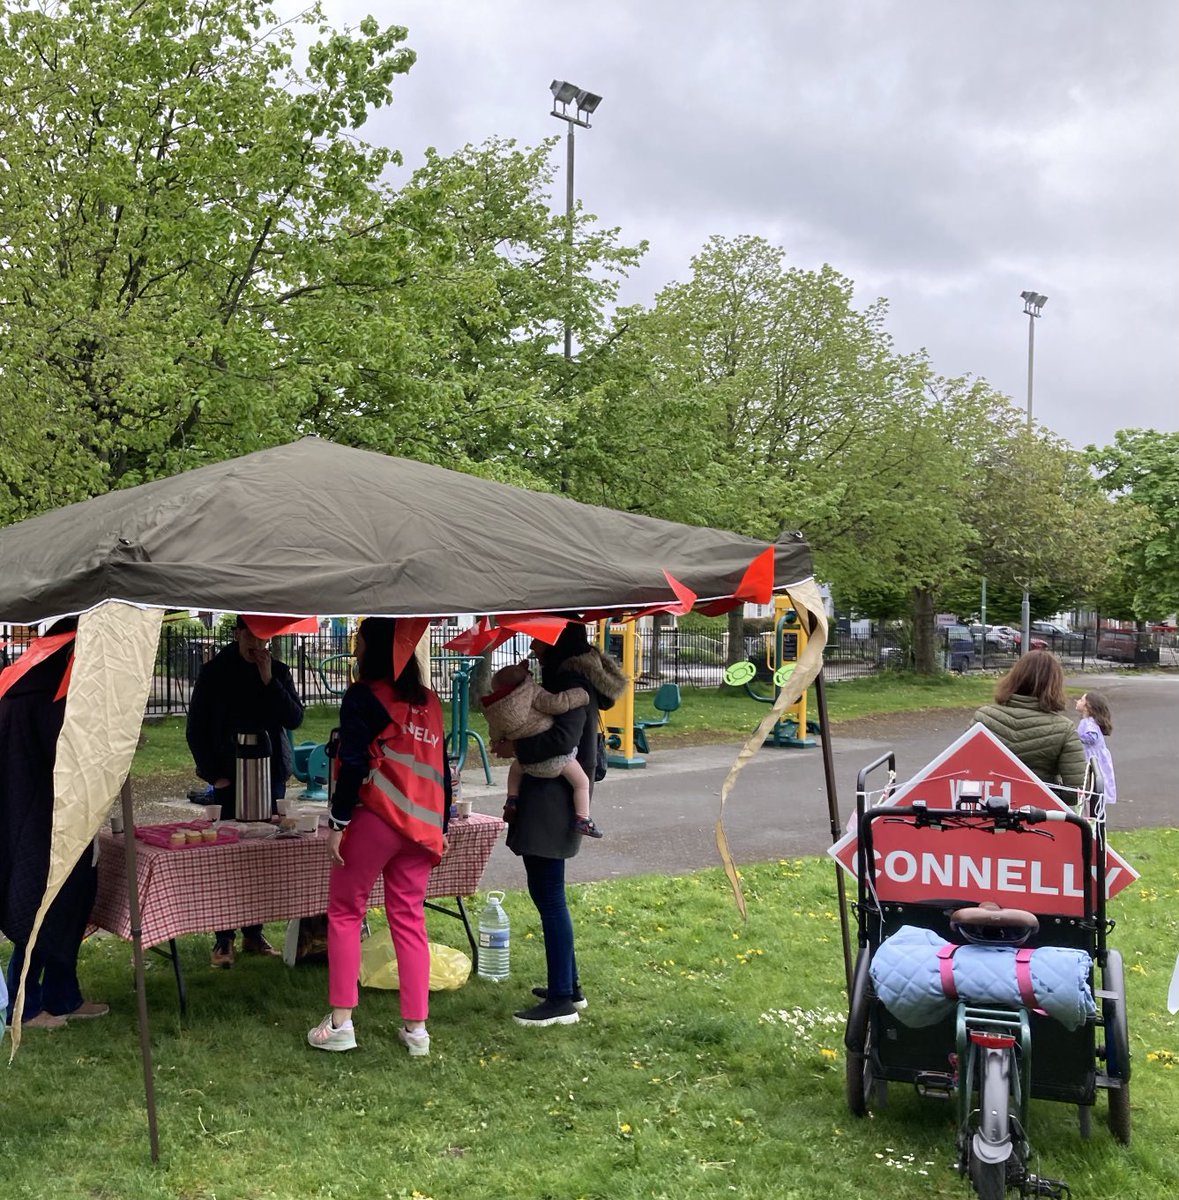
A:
177,838
192,837
208,835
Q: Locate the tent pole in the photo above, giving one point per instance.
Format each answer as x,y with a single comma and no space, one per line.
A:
149,1087
836,825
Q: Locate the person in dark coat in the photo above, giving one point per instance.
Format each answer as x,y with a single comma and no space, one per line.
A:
542,830
242,689
30,722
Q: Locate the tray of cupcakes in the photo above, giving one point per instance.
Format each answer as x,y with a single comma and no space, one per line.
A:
185,835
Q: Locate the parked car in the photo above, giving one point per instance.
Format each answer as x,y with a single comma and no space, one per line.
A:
1049,629
998,637
1126,645
1036,643
959,647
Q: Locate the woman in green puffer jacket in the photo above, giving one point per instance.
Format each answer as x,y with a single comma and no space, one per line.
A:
1028,718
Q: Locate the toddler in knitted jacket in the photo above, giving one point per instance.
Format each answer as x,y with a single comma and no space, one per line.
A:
517,707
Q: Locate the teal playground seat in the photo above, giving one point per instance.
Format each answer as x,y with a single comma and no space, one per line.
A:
301,752
666,701
318,766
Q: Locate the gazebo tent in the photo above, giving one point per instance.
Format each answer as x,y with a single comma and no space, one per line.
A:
312,528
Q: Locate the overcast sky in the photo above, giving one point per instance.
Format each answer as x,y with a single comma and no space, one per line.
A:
943,154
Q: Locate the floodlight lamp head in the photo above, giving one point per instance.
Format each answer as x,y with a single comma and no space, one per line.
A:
587,102
563,93
1033,302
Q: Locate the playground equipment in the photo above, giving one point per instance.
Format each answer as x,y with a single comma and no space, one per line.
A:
782,651
621,737
311,766
460,713
666,701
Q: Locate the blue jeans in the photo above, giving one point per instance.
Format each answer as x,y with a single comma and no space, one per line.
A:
546,886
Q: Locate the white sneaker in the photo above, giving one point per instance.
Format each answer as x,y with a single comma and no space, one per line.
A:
325,1036
416,1041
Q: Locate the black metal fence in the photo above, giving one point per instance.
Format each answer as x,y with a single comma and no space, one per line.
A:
321,664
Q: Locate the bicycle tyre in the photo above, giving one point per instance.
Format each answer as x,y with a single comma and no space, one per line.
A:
989,1179
1117,1046
994,1094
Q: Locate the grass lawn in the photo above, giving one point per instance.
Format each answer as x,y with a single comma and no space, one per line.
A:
706,715
709,1064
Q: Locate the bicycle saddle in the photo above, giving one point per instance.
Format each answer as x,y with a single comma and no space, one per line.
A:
989,924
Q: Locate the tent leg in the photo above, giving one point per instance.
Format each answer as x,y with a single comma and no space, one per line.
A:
836,826
149,1087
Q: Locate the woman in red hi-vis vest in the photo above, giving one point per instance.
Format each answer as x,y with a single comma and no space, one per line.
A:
388,817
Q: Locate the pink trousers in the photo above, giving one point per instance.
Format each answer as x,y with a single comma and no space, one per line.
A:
371,848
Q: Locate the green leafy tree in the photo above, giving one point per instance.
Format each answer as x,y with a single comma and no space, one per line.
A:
1141,473
188,221
467,369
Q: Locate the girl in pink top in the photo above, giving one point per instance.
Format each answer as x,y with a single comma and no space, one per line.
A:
1096,725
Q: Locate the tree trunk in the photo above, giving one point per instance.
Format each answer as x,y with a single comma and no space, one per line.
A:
924,643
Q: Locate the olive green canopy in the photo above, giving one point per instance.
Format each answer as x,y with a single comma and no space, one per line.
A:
313,528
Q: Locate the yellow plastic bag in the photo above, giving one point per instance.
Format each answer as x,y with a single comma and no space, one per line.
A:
449,968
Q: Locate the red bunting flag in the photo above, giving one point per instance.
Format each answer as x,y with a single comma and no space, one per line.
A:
716,608
39,650
478,638
405,639
757,584
272,627
544,627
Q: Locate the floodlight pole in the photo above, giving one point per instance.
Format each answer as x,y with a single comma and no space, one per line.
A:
584,103
1032,303
568,238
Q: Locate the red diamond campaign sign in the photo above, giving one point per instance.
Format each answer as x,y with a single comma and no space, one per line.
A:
1017,870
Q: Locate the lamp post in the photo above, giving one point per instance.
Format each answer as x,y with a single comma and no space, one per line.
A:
584,103
1032,303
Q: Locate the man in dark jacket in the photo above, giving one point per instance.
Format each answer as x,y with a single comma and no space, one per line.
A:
31,715
242,689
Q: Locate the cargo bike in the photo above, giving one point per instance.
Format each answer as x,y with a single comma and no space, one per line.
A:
990,1042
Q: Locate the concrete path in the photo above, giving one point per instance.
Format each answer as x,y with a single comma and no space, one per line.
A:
661,819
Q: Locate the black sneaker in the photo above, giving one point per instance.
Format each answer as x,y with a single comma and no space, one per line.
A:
548,1012
578,997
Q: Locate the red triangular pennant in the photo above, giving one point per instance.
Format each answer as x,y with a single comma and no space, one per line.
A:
544,627
405,639
757,584
271,627
474,640
64,686
716,608
39,650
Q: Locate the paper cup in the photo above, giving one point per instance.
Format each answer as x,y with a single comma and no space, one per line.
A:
213,813
116,820
308,822
462,808
286,808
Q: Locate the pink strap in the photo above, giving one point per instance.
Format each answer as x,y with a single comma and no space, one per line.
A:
1023,976
945,966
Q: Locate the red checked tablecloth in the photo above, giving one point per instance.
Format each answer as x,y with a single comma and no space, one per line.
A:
198,889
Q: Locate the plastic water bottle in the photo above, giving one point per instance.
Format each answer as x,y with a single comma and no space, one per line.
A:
494,939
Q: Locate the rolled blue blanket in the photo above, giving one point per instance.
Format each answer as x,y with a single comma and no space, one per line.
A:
919,982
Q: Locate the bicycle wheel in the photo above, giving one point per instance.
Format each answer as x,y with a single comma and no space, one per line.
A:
991,1146
1117,1046
858,1083
989,1179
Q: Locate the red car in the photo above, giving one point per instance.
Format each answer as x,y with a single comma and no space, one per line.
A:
1036,643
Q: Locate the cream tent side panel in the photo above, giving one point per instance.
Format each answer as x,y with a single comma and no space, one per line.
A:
114,656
